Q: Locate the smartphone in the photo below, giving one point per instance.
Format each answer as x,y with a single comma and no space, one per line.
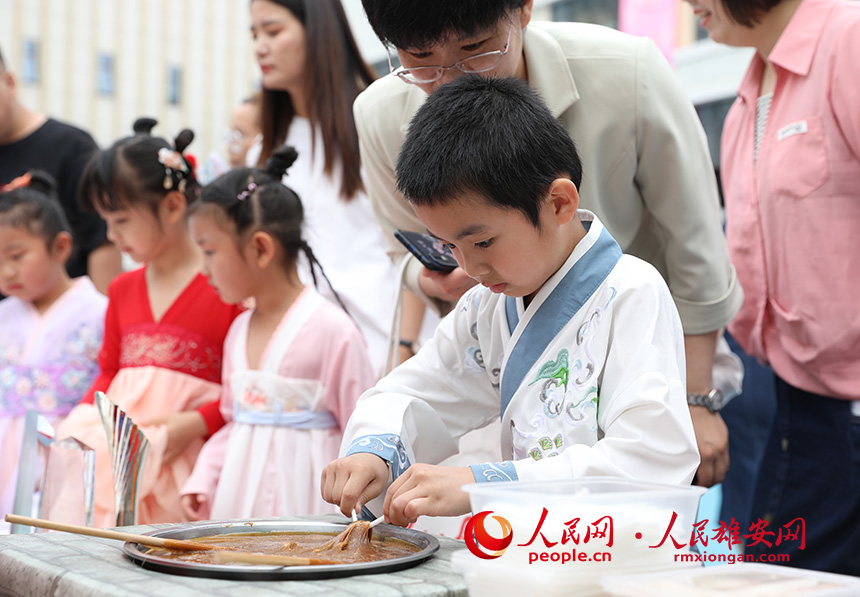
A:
430,251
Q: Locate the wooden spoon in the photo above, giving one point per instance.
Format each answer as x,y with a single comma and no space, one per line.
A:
107,534
229,555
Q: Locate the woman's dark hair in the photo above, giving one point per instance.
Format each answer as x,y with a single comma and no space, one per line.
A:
423,23
135,170
335,73
255,199
34,207
748,12
494,137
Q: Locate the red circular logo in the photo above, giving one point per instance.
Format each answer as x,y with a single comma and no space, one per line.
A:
476,536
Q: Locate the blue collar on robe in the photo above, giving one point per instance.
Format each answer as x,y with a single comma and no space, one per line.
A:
583,279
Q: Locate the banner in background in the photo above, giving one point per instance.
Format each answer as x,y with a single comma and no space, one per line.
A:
657,19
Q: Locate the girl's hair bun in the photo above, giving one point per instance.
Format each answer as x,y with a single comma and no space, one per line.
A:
282,158
183,140
43,182
144,126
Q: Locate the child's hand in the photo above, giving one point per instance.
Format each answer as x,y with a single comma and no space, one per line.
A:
195,506
427,490
353,481
182,429
447,287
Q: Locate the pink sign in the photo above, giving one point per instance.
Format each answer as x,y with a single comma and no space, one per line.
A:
657,19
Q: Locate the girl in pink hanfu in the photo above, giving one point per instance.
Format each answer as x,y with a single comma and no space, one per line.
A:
294,366
50,326
164,328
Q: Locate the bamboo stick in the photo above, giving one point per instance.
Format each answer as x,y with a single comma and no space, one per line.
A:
108,534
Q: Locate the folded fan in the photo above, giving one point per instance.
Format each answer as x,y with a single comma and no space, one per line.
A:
128,448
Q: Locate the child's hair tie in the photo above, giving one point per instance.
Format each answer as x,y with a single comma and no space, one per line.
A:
173,162
17,183
247,192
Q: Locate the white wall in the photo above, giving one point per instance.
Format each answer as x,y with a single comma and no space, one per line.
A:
208,39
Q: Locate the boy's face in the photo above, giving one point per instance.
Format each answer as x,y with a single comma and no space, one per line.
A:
500,248
455,47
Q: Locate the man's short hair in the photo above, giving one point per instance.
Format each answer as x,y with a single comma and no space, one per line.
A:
422,23
494,137
2,62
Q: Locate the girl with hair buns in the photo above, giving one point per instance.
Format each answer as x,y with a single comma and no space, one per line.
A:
294,366
164,327
50,326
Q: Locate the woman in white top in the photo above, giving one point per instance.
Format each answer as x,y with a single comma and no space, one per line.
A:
311,73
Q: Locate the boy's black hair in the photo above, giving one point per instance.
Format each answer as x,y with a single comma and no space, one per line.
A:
422,23
494,137
129,173
256,199
35,208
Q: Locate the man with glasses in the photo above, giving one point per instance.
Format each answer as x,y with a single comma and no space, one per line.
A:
647,172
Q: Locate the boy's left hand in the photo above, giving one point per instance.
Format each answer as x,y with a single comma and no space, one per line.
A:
427,490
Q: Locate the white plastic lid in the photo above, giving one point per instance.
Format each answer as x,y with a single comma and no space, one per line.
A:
738,580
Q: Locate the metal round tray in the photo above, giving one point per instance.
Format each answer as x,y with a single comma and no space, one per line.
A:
137,553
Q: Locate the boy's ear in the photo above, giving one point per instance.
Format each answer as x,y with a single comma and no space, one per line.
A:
564,199
262,249
61,248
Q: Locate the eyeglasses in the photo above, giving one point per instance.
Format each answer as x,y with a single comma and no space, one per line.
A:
478,63
236,139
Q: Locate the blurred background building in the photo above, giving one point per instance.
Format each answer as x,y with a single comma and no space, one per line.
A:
99,64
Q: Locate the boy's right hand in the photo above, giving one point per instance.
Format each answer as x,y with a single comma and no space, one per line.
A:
445,286
353,481
195,506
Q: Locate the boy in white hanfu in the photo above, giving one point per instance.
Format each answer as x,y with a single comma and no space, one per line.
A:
578,348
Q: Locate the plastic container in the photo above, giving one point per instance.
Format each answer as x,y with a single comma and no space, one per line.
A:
568,535
738,580
647,520
494,578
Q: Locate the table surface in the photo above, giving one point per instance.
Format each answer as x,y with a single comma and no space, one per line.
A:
67,565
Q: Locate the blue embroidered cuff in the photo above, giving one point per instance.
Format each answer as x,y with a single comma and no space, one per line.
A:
494,472
387,447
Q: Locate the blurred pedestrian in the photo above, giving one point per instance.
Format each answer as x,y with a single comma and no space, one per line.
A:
29,140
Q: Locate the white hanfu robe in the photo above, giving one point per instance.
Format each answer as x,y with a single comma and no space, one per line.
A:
588,380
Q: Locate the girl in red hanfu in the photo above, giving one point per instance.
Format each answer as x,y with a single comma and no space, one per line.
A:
164,328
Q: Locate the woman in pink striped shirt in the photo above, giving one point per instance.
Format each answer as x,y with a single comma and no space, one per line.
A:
791,178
